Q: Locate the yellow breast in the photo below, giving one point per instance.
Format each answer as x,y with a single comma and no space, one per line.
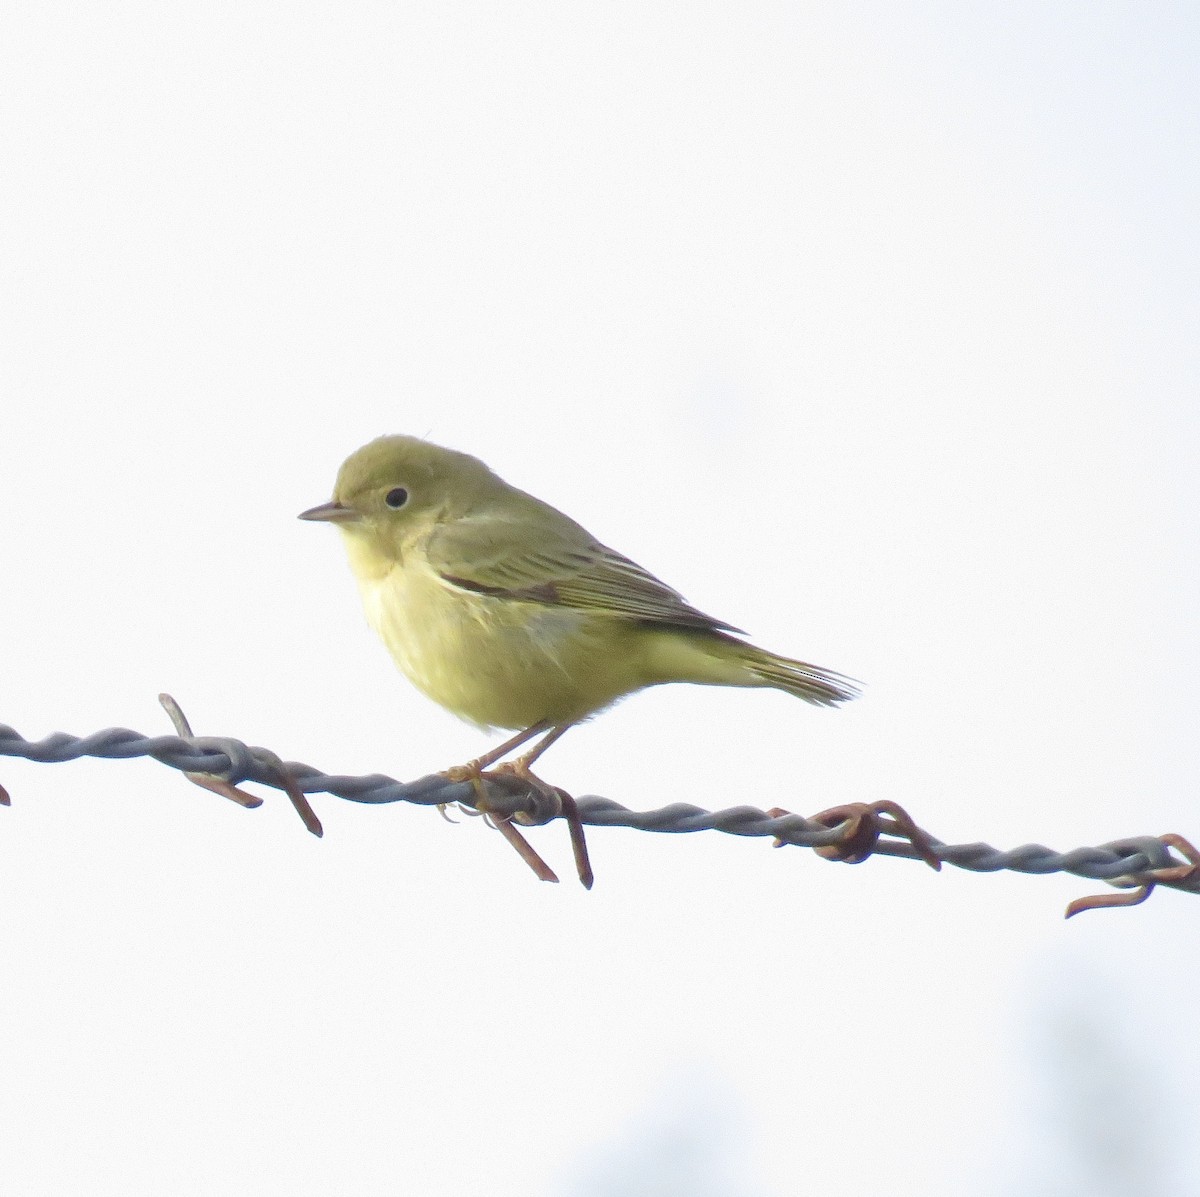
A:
494,661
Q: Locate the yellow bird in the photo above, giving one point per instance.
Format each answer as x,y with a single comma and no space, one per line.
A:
510,615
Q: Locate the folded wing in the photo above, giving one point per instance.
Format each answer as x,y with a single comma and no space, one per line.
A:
556,563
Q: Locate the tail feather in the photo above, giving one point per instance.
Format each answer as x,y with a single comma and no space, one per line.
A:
823,687
715,658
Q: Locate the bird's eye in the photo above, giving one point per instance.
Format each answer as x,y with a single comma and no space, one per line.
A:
396,498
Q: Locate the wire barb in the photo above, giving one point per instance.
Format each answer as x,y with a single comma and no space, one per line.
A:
475,777
1185,876
281,778
860,824
849,833
206,781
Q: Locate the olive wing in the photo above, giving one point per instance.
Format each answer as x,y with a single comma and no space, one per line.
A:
558,565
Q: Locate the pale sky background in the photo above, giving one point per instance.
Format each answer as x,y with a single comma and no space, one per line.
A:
872,328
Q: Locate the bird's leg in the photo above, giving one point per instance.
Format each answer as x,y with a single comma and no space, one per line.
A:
480,763
570,811
473,772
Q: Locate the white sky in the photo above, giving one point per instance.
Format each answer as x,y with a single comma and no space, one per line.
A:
871,328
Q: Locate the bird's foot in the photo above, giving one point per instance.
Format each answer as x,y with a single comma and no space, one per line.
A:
474,772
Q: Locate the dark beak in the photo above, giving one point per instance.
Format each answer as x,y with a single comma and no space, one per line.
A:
331,513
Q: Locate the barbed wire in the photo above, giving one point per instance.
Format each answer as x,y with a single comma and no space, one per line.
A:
849,833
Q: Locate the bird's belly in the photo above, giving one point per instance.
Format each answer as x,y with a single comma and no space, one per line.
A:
498,662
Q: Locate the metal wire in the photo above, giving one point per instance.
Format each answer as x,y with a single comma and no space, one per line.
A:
1136,863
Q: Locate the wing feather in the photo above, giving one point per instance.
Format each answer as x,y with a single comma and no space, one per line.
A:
556,563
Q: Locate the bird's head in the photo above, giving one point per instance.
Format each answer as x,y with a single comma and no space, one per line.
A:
396,488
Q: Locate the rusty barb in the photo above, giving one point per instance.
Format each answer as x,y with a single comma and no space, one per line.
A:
863,829
852,833
859,826
282,778
1184,876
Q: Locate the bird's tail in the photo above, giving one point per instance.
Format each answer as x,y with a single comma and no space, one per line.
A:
715,658
822,687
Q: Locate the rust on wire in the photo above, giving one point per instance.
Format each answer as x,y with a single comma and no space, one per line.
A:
861,824
219,785
1185,876
849,833
559,805
503,822
550,802
206,781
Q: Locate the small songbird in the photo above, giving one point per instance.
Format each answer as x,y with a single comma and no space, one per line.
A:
510,615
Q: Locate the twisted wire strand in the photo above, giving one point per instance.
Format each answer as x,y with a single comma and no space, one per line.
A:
1126,862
